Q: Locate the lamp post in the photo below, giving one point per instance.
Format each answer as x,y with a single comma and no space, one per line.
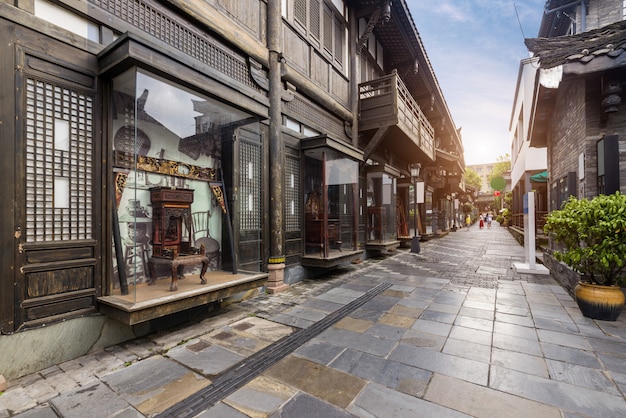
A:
415,172
455,205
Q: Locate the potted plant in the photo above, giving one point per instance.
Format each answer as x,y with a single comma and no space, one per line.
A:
592,236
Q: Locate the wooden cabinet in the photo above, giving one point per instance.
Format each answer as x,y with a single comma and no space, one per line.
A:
171,221
317,236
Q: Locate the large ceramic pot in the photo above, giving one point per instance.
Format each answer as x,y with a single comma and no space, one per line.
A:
599,302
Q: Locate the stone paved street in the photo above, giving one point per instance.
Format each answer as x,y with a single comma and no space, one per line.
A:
458,333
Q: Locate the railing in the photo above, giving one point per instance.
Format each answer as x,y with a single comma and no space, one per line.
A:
517,220
386,101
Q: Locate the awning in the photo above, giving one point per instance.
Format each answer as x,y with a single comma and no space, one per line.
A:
539,177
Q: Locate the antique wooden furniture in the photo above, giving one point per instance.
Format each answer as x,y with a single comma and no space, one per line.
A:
316,235
171,234
177,265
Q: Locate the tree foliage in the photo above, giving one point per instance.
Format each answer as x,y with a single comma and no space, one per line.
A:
502,165
473,179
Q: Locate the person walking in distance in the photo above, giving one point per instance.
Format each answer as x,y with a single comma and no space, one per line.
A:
468,221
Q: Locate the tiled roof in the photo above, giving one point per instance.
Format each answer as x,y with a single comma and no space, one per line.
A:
609,41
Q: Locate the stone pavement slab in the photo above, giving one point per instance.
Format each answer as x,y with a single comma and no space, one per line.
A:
95,401
380,401
480,401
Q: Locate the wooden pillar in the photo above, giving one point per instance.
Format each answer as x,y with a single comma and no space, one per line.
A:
276,261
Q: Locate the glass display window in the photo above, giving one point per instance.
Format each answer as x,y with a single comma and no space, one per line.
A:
381,205
168,208
330,201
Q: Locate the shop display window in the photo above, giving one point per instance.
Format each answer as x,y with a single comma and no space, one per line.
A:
330,206
381,207
168,208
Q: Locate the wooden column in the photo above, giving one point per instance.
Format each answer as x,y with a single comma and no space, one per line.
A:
276,262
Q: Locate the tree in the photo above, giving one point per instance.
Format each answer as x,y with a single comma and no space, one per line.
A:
473,179
502,166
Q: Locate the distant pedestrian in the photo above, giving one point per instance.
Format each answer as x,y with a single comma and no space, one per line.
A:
468,221
489,219
481,221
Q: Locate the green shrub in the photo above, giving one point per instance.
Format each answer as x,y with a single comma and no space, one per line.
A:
593,236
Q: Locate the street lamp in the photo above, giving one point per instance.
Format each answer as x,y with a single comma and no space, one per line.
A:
415,173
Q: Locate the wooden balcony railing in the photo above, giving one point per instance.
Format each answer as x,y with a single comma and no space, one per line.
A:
386,102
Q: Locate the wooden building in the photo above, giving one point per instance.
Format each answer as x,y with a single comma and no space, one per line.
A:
241,144
578,115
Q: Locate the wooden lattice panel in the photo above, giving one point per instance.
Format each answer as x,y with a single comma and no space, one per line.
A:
59,163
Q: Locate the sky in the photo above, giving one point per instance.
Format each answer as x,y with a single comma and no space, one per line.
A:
475,48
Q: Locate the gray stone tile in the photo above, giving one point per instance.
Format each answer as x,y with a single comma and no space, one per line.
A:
480,401
381,303
471,335
209,361
614,363
94,401
304,405
480,294
461,368
432,327
444,308
366,314
567,326
517,344
292,321
42,412
423,339
466,349
394,375
475,323
309,314
519,361
340,295
525,321
322,305
513,300
436,316
620,381
561,338
424,294
513,310
350,339
319,352
515,330
414,303
477,313
378,401
255,401
562,395
606,346
479,305
449,298
221,410
401,288
581,376
570,355
387,332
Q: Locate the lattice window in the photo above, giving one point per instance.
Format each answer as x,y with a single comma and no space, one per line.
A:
196,45
328,29
292,193
59,163
299,11
338,53
250,186
314,18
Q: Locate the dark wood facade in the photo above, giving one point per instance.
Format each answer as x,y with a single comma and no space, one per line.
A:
61,261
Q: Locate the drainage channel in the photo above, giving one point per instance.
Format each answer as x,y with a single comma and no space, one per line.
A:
243,372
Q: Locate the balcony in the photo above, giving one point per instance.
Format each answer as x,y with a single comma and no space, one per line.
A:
386,106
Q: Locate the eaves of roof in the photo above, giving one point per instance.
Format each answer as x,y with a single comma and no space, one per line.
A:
608,42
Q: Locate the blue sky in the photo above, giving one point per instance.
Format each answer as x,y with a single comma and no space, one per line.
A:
475,47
